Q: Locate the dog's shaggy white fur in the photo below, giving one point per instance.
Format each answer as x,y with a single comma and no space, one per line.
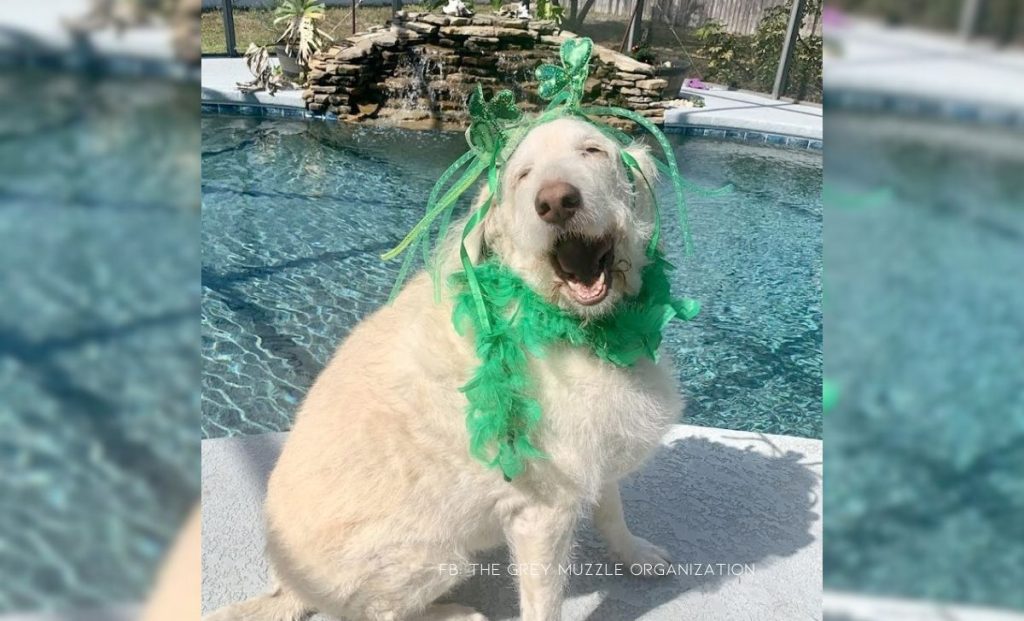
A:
376,490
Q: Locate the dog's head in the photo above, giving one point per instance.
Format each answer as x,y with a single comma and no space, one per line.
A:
568,219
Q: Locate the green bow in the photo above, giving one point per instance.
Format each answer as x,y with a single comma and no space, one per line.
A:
565,84
489,120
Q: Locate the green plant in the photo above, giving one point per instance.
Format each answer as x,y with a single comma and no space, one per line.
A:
726,55
806,77
752,61
265,77
767,44
766,48
550,9
302,32
643,53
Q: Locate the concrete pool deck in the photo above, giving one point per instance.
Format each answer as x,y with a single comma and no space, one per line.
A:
43,24
220,85
876,59
709,496
853,607
747,111
38,34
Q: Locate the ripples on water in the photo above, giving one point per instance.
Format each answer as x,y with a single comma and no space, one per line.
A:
98,229
925,249
295,216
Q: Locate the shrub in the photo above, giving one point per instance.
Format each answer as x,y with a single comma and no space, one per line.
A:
643,53
805,65
751,61
726,55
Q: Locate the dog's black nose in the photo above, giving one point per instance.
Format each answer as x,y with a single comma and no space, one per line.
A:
557,202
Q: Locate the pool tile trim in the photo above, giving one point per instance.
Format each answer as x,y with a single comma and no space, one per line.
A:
261,110
117,65
742,135
766,138
124,612
920,106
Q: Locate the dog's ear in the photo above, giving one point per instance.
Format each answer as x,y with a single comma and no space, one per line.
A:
476,241
449,251
639,154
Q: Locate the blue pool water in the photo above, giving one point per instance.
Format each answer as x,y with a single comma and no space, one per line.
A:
295,216
924,245
99,223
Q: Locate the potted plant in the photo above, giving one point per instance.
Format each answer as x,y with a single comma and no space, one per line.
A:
265,76
302,36
674,73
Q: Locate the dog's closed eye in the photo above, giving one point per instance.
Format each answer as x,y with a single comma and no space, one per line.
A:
522,174
594,150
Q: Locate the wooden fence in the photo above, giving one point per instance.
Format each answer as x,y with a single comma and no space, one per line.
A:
738,16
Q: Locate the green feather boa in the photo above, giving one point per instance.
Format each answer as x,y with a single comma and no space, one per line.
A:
503,410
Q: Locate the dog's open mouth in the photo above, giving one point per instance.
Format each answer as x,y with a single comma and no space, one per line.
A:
585,266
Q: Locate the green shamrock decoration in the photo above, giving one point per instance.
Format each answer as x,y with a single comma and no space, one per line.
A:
488,119
565,83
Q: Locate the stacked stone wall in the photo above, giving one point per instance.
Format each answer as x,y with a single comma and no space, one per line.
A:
423,66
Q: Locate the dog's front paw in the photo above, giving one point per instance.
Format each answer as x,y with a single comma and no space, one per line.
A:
643,558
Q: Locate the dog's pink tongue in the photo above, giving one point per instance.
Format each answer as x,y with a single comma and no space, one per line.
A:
588,292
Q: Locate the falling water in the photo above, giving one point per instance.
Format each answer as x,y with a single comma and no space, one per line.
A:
419,82
515,69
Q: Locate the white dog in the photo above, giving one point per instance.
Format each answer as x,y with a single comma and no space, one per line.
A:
376,493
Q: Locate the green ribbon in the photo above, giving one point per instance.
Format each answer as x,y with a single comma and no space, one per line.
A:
486,137
671,168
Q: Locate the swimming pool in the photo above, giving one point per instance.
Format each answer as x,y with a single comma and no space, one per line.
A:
924,246
296,214
98,334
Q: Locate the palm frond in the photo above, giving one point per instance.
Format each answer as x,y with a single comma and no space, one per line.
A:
302,35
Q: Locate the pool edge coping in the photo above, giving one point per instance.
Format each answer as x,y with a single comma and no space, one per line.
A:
852,606
111,612
261,109
925,107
